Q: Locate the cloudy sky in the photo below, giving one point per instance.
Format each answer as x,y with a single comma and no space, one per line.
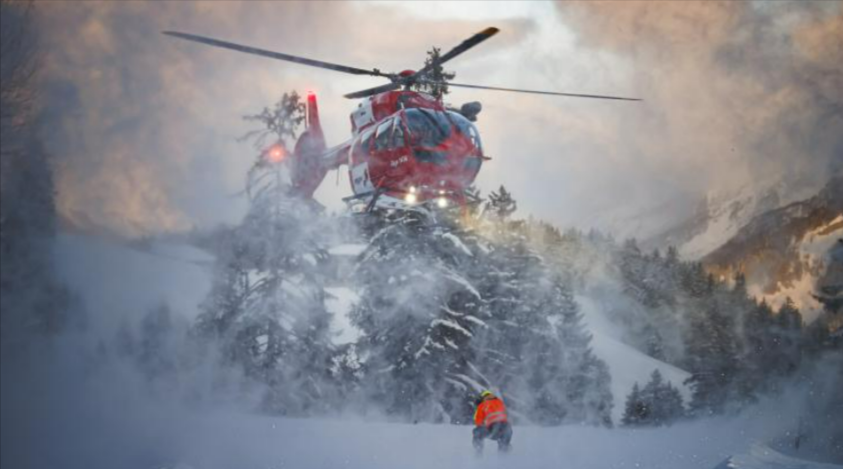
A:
145,126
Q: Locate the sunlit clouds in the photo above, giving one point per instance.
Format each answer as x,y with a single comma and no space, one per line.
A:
146,126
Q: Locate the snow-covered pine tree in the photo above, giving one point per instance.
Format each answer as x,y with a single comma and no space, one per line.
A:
418,312
712,356
787,332
663,401
635,410
653,282
267,304
758,347
740,307
658,403
535,348
654,342
586,377
436,74
501,204
157,353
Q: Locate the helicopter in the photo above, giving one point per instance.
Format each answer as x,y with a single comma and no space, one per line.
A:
408,149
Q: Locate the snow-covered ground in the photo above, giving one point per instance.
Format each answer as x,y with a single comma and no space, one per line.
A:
131,431
626,364
763,457
216,440
120,283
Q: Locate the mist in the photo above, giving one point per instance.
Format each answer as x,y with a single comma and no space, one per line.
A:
168,302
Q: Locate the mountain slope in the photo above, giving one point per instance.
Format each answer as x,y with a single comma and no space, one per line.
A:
721,215
785,251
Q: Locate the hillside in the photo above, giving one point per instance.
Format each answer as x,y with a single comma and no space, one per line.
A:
786,251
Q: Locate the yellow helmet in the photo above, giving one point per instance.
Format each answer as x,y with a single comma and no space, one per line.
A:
486,393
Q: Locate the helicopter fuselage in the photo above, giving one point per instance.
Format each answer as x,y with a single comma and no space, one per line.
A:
406,149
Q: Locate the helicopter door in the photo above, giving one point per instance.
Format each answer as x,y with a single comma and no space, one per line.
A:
389,148
361,180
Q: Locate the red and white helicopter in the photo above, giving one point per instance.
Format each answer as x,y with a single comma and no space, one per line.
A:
408,149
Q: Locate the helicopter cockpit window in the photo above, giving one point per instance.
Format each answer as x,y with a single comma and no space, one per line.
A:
397,134
382,136
428,128
363,144
466,128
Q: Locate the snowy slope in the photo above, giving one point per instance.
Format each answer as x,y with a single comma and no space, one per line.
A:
784,252
626,364
763,457
726,213
243,442
722,214
814,252
119,281
116,282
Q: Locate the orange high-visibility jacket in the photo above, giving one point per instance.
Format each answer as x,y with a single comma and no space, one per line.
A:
489,411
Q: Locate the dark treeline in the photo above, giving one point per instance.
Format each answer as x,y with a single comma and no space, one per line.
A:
32,300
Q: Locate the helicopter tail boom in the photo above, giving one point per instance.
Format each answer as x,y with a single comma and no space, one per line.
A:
312,159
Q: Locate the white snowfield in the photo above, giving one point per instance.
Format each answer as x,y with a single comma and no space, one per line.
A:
132,431
626,364
763,457
119,283
264,442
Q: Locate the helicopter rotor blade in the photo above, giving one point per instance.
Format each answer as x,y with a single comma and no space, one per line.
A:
515,90
460,48
275,55
373,91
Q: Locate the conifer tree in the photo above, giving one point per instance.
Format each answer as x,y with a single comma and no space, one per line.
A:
436,74
712,359
535,347
267,304
787,327
657,404
418,312
501,204
635,410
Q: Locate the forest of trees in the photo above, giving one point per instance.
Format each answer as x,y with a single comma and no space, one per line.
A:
736,347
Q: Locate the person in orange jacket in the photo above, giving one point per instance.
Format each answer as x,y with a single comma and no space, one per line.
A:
490,421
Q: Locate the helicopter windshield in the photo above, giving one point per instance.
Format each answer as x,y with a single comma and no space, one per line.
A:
466,128
428,128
